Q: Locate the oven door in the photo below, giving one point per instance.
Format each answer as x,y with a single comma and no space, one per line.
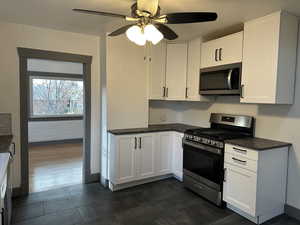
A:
203,163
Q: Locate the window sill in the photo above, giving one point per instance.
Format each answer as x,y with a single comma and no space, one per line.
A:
55,118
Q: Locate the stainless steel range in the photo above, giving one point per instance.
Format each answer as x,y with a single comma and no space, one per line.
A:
203,155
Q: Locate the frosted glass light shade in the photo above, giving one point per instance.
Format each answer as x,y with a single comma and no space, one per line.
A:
153,34
135,35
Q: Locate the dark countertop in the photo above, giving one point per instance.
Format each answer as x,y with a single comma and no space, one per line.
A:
154,128
258,144
5,141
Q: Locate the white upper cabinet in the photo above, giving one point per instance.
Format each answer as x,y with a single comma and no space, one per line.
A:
176,71
269,59
157,70
222,51
193,71
127,86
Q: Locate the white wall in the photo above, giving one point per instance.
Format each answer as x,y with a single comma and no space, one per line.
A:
16,35
39,131
278,122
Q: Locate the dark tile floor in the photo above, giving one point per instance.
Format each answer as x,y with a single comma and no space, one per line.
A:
161,203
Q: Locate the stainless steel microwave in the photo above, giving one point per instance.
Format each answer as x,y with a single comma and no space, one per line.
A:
220,81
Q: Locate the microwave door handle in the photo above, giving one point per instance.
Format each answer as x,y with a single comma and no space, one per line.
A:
229,79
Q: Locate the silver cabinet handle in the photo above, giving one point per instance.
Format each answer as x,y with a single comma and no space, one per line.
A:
164,91
242,90
220,54
224,176
13,153
135,142
140,143
216,55
239,161
240,150
167,92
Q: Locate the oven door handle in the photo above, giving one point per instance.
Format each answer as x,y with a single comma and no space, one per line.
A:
202,147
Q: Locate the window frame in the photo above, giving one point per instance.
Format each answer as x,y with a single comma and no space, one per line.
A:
52,76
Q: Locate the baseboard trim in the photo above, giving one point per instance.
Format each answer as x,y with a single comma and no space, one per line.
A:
95,177
104,182
64,141
292,211
117,187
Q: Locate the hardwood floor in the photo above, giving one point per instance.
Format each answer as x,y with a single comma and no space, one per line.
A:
54,166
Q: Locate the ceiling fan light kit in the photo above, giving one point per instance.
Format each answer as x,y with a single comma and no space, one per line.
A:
153,34
136,35
150,25
141,34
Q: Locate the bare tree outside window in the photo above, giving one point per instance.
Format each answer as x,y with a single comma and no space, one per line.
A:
54,97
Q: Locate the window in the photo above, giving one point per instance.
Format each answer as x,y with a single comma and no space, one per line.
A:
56,97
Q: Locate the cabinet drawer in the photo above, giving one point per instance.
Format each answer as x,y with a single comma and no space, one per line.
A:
242,162
240,151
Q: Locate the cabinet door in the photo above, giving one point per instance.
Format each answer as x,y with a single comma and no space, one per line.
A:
126,159
157,70
268,75
259,70
209,54
176,71
222,51
127,86
163,153
239,188
193,71
231,49
177,160
146,156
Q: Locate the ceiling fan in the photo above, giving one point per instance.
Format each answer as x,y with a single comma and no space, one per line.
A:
149,24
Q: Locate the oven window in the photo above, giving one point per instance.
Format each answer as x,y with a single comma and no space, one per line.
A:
202,163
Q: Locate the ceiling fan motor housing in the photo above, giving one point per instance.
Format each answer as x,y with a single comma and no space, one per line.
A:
134,12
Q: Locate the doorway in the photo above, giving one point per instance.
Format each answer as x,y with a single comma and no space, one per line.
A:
55,121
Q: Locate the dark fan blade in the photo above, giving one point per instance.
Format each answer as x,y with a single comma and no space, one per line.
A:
99,13
191,17
166,31
121,30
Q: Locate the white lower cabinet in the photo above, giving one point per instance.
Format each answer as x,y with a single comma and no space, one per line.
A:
127,158
177,159
238,179
131,157
140,156
254,186
146,156
164,153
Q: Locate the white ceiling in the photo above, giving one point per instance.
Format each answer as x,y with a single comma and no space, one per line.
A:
57,14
